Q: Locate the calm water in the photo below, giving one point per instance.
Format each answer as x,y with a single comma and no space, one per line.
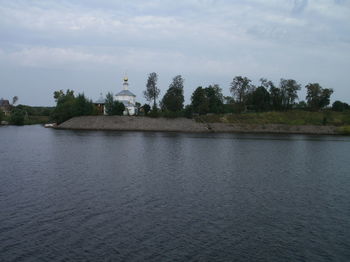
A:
113,196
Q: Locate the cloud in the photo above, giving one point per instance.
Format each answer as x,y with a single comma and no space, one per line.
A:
299,6
205,38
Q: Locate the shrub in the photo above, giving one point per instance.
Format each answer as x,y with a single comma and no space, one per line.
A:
17,117
154,113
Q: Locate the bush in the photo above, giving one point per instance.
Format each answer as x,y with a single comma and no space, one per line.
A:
17,117
340,106
117,108
146,108
154,113
1,115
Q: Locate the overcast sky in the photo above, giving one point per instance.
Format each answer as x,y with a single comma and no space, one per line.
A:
89,45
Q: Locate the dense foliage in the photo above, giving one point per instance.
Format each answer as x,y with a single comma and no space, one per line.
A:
317,97
145,109
17,116
68,106
340,106
207,100
173,99
36,110
113,107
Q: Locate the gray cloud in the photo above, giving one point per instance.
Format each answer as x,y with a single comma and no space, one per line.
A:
299,6
205,40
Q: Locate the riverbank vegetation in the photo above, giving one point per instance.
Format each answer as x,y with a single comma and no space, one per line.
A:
24,114
263,103
68,105
292,117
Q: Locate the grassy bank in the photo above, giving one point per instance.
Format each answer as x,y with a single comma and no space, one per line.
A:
34,120
295,117
31,120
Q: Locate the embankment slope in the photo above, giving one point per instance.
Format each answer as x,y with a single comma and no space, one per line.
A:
130,123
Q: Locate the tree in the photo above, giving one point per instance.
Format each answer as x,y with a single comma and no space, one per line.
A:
68,106
199,101
146,108
275,95
113,107
83,106
58,95
215,99
317,97
64,105
109,103
301,105
240,87
118,108
261,99
289,92
152,92
340,106
14,100
173,99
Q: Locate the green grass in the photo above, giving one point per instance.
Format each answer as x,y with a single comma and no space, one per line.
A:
295,117
344,130
34,120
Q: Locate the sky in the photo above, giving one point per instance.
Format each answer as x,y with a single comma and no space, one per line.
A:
88,46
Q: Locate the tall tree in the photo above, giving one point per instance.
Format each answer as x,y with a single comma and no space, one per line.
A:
173,99
240,88
64,105
215,99
152,91
199,101
67,106
261,99
109,103
275,94
289,92
317,97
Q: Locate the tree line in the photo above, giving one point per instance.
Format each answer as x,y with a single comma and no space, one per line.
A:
20,114
245,97
266,96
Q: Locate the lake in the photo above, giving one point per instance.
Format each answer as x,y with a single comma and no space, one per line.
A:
135,196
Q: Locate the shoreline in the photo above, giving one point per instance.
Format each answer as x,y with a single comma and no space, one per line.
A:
184,125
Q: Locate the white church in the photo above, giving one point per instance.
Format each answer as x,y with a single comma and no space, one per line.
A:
125,96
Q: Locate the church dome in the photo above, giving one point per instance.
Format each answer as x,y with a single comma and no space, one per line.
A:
126,79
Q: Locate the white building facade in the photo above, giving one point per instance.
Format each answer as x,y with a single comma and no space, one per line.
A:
127,98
